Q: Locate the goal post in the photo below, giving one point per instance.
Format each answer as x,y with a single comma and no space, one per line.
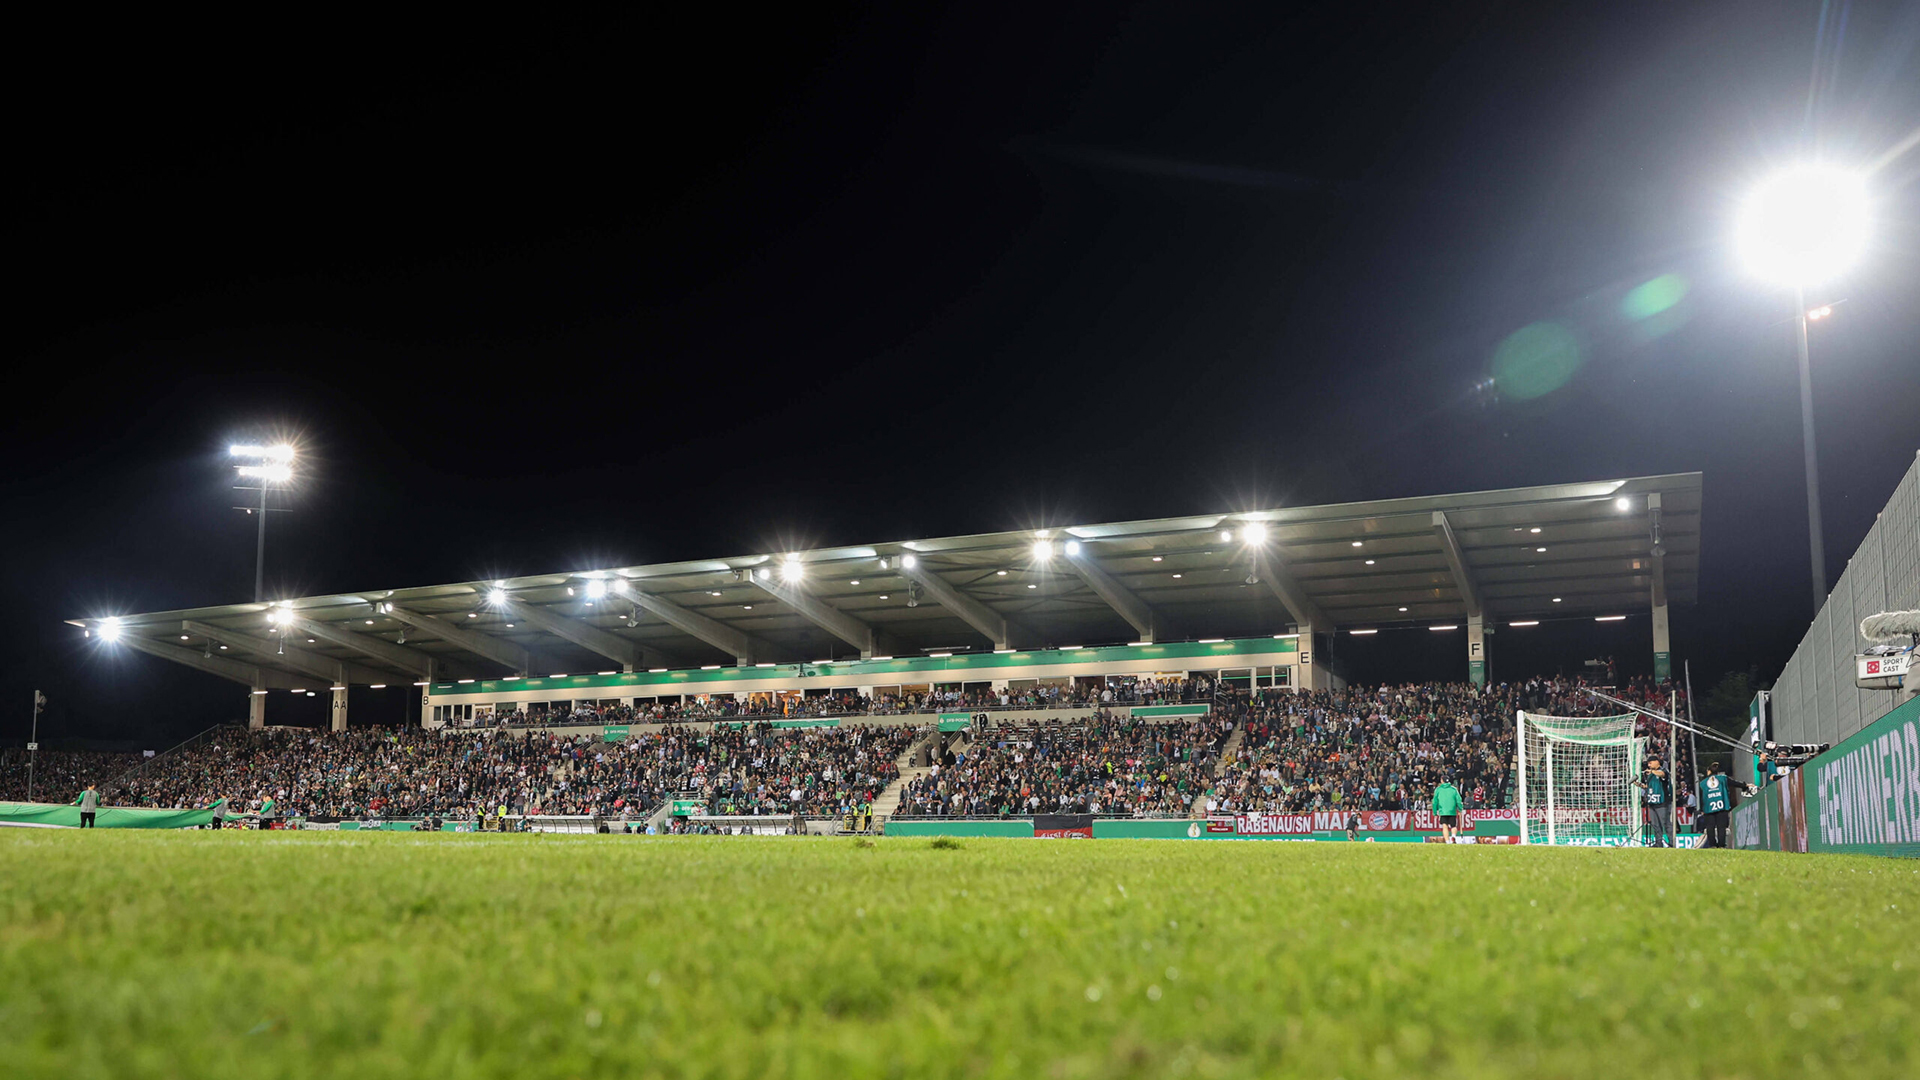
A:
1574,777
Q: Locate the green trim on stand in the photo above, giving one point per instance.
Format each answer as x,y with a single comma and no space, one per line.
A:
653,683
1158,711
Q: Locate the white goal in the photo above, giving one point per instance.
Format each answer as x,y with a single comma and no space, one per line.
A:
1575,779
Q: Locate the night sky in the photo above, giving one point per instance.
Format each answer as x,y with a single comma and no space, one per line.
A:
565,297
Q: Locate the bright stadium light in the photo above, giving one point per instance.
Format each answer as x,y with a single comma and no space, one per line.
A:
497,597
1623,504
1806,226
791,570
266,467
1073,547
109,628
596,588
909,561
1253,532
1043,550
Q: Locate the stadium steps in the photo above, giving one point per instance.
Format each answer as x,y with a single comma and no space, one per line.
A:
889,797
1227,754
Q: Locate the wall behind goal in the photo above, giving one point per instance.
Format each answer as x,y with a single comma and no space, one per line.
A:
1815,699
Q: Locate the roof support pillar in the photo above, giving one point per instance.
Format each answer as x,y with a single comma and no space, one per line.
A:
854,632
974,613
1477,650
744,647
481,645
232,670
412,661
1457,562
257,706
275,653
1121,599
1306,676
1662,639
1272,569
628,654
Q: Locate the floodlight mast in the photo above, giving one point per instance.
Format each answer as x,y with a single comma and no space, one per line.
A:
1801,227
274,465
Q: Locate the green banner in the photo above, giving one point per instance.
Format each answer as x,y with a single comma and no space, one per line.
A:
107,817
1662,667
684,807
955,725
1146,711
1477,672
1020,827
614,733
1862,796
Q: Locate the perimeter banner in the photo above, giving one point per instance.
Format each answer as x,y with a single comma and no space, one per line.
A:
55,816
1370,821
1862,796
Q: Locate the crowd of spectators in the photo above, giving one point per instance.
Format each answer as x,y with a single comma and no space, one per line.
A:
1387,747
395,773
1362,748
1104,764
58,774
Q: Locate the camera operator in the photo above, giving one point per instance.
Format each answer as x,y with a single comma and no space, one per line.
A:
1657,797
1716,805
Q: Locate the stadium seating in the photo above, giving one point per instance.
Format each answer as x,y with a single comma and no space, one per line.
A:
1103,764
1379,748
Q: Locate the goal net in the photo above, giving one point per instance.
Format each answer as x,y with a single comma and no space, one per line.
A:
1575,779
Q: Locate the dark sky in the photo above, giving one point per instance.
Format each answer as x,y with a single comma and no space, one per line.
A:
553,297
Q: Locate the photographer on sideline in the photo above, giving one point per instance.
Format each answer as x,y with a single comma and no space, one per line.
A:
1716,805
1657,797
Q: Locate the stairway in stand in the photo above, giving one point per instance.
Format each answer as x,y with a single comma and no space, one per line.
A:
889,798
1227,754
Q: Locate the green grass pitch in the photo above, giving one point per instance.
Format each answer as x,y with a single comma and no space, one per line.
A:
283,956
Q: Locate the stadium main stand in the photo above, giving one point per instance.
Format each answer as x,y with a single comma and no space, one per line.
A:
1378,748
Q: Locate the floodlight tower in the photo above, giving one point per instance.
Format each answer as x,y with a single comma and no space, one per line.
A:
268,467
1804,226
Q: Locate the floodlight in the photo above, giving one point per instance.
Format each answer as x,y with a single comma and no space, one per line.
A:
790,570
1804,225
1253,532
763,573
1043,550
1623,503
596,588
909,561
109,628
1226,536
497,597
1073,547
